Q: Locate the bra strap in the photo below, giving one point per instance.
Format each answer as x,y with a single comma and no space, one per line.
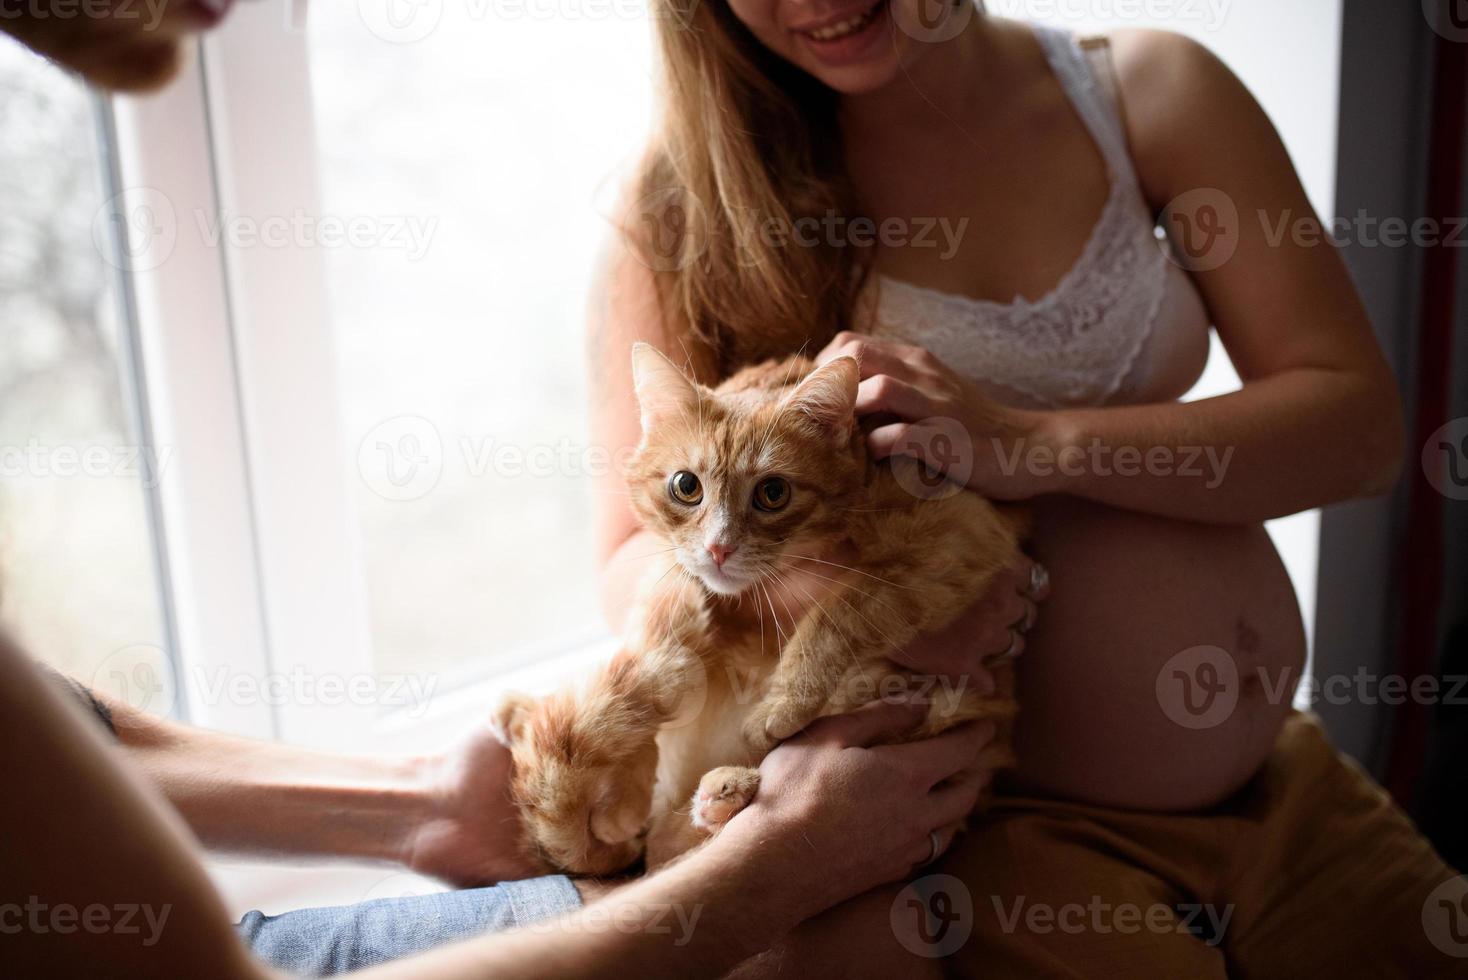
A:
1088,76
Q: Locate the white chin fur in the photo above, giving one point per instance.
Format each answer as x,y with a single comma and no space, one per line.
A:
718,582
723,584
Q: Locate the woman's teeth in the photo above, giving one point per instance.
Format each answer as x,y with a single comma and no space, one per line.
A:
848,26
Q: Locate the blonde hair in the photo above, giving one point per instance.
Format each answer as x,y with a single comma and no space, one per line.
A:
747,145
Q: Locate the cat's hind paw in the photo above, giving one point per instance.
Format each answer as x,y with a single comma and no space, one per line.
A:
722,793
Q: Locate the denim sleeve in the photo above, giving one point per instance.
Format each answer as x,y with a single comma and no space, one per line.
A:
327,941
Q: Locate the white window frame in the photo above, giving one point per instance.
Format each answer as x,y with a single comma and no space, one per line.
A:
237,379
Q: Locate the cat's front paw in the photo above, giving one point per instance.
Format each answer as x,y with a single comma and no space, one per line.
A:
756,731
722,793
776,720
582,805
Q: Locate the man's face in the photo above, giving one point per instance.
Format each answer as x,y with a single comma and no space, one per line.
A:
119,44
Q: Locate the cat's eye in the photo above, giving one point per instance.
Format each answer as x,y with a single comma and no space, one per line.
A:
685,488
772,493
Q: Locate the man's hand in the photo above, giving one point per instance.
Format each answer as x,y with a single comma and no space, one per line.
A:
849,812
471,835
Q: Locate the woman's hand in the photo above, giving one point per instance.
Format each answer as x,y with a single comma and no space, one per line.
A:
854,812
942,420
994,626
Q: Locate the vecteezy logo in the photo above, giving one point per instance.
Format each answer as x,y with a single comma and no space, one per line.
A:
135,229
933,916
138,675
1202,229
400,21
1445,459
1448,18
934,459
680,12
1199,687
932,20
402,458
1445,916
671,236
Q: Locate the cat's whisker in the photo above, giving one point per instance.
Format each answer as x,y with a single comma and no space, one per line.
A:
759,610
762,578
787,609
779,633
650,554
691,374
780,408
893,644
848,568
870,595
835,623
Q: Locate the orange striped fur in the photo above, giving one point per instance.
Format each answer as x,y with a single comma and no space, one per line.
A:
658,750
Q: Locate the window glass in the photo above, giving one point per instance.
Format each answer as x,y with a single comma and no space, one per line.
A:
475,147
77,582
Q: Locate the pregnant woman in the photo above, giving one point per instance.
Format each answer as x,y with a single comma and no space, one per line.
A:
970,205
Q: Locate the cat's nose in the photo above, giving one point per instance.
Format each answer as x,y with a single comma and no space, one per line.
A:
719,553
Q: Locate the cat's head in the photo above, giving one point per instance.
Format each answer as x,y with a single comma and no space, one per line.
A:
741,477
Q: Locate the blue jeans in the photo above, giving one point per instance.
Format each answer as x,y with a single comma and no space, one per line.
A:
327,941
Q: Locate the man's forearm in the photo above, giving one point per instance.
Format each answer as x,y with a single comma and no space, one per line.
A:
699,917
246,797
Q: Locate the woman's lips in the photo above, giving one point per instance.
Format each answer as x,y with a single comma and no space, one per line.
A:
846,38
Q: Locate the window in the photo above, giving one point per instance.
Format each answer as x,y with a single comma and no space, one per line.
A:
476,147
77,582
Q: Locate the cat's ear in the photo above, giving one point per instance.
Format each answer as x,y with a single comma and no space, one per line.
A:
828,397
663,392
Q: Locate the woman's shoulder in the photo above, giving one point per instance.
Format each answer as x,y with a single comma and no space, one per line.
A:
1181,103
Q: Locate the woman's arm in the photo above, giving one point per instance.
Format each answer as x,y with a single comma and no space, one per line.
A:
1318,419
623,309
445,815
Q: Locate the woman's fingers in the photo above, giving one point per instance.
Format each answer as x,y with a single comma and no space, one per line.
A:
929,444
876,355
950,802
892,394
944,756
1032,578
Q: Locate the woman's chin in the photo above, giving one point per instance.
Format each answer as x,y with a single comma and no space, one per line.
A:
858,79
880,66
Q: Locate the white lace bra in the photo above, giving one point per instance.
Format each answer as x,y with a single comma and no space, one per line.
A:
1124,324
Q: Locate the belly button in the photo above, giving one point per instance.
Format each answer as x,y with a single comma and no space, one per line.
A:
1246,637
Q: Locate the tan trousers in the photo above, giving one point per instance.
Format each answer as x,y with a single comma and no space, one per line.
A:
1309,871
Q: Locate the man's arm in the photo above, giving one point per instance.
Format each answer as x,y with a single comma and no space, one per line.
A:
99,876
445,815
833,819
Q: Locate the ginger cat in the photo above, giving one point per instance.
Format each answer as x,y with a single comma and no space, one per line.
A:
765,473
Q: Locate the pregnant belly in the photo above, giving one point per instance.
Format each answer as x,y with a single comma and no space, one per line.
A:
1163,664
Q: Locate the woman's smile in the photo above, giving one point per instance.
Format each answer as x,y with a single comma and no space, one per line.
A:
847,37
